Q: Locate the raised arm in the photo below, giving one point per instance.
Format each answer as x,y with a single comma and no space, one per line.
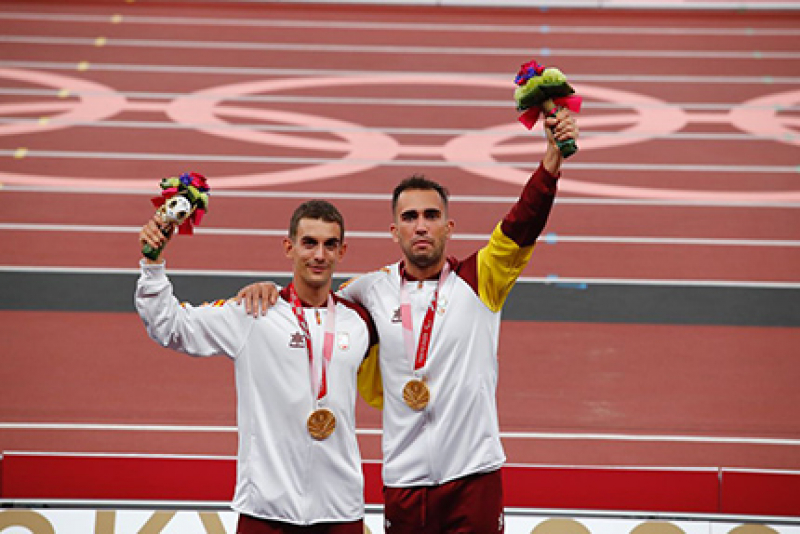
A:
199,331
503,259
559,128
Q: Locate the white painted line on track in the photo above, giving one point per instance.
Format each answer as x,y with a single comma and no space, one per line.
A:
682,79
448,132
570,436
364,101
329,48
393,26
370,197
241,159
544,239
271,275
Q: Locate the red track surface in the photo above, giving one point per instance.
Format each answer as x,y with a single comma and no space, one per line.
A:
643,380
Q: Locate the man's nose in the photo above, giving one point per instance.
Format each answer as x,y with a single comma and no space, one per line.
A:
319,252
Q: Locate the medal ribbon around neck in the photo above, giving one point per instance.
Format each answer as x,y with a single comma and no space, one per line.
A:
418,358
319,386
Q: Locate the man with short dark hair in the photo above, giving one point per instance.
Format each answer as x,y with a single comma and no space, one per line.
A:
299,469
438,319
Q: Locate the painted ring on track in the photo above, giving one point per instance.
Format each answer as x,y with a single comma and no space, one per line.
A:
365,149
96,102
759,116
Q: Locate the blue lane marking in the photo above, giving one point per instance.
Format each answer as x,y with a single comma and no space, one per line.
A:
552,279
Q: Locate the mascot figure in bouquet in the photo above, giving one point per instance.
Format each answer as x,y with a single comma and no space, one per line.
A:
182,204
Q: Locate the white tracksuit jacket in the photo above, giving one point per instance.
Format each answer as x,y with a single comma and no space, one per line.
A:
457,434
282,472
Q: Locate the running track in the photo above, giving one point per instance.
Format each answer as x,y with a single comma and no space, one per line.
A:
657,324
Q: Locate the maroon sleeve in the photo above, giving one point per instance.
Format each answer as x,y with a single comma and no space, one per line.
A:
467,270
526,219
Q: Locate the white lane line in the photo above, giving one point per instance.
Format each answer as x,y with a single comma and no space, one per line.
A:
232,158
362,101
546,239
683,79
389,130
570,436
329,48
272,275
527,30
369,197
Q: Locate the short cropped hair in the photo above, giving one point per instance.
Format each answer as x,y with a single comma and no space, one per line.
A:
419,182
319,210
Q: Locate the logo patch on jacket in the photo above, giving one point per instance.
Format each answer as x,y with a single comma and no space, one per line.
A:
297,341
343,340
441,305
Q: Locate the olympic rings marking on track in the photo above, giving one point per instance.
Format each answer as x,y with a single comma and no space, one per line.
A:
760,116
97,102
651,118
365,149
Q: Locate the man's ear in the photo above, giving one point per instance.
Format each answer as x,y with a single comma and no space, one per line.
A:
451,226
393,230
288,245
342,250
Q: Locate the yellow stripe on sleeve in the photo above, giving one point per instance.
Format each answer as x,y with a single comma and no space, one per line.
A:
369,382
500,263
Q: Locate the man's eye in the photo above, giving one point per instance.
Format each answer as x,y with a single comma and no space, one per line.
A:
432,215
409,217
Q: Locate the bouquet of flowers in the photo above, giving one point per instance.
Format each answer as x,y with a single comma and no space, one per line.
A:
544,90
182,204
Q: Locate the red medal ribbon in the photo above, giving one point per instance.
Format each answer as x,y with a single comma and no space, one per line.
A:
419,357
320,387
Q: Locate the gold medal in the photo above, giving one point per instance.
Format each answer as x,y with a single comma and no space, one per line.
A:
321,423
416,394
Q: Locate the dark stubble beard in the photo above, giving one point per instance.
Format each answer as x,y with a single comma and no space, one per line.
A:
423,261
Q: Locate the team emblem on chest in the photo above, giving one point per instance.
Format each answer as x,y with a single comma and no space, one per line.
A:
343,340
297,341
441,305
